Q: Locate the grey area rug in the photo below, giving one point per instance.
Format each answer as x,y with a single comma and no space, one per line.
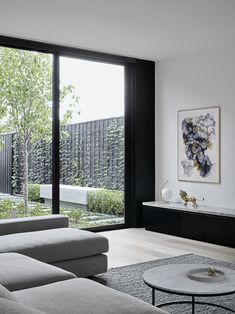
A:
128,279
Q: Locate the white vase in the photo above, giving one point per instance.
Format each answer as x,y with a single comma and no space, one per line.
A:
166,194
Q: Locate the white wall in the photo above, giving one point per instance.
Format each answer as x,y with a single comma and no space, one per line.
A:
205,79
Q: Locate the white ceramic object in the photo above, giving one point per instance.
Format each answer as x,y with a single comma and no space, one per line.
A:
166,194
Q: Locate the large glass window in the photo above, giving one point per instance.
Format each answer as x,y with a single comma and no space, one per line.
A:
91,142
25,132
92,133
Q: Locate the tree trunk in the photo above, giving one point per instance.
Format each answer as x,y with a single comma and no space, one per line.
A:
26,178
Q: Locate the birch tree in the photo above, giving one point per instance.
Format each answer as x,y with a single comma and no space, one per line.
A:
26,100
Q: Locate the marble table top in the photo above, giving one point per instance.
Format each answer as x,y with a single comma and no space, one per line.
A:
219,211
173,278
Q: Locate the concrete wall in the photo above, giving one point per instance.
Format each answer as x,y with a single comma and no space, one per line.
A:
205,79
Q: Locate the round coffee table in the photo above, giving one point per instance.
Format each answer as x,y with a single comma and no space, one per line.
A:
173,279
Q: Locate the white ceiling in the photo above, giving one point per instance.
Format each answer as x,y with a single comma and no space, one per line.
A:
150,29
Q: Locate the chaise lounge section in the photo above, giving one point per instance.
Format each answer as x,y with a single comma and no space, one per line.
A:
49,239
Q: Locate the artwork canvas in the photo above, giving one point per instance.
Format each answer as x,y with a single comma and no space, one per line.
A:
198,145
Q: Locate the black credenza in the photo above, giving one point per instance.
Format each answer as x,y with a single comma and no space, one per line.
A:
189,224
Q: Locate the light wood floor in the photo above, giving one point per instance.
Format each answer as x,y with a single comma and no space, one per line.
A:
130,246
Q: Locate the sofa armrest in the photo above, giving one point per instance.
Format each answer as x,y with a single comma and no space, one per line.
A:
28,224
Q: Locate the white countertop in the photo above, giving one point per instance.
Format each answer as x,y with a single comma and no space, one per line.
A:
219,211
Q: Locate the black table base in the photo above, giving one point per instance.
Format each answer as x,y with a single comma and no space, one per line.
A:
193,302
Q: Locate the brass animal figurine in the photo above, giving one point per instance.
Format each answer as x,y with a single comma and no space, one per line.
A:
189,199
211,272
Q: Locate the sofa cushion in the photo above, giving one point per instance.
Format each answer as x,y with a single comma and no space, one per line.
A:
85,266
82,296
6,294
21,272
11,307
28,224
55,244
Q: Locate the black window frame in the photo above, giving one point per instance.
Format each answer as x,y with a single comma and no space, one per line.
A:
139,95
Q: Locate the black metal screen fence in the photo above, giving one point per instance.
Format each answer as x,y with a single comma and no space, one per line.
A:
91,154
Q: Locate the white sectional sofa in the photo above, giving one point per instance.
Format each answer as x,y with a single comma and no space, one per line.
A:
30,284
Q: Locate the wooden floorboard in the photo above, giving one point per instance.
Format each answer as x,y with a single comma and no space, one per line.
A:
130,246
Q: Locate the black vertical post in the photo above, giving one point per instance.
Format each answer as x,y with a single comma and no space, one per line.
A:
143,163
129,142
55,136
193,305
139,139
153,296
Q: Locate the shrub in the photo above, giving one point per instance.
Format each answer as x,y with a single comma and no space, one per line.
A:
75,215
34,192
62,211
12,209
106,202
38,210
6,206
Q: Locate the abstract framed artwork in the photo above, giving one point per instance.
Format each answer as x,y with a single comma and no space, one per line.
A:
199,145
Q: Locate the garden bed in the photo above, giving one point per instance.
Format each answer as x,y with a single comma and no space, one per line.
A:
11,206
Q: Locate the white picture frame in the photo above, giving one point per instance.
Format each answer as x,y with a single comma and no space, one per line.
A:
198,132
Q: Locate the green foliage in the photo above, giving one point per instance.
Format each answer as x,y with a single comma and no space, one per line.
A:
113,163
75,215
106,201
6,207
62,211
38,210
26,92
14,209
34,192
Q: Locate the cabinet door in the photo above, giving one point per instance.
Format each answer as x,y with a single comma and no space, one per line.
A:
162,220
232,232
216,230
172,222
192,226
153,219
